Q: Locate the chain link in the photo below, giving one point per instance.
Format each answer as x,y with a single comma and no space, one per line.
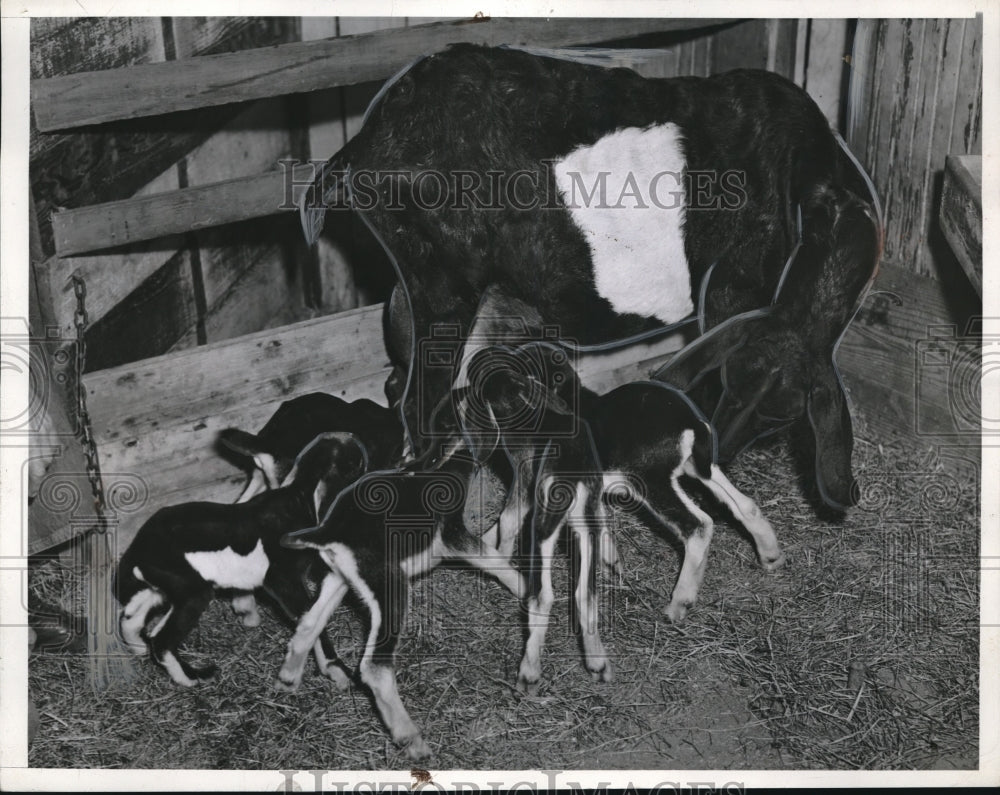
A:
81,320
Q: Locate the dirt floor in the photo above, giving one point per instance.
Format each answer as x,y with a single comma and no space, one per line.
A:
861,653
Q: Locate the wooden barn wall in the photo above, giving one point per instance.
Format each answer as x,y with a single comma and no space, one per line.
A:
920,100
171,293
915,98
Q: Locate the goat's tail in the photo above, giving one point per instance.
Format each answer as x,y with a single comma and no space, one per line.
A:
703,452
329,189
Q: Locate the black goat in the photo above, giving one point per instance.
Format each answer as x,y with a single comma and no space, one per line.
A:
183,553
611,201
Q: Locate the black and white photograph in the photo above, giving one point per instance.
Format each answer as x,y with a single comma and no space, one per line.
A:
564,396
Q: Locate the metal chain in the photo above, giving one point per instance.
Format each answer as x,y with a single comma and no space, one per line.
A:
81,320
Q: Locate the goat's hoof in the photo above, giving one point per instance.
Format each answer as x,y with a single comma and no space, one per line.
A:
250,620
604,674
286,685
338,676
773,564
676,612
417,749
526,687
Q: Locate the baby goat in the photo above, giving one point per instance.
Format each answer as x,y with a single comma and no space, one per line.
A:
646,435
184,552
389,527
296,423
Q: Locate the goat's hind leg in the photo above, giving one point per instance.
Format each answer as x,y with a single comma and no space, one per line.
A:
747,512
385,597
172,631
295,600
311,626
695,528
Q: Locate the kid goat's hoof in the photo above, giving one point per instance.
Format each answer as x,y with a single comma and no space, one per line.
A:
417,749
774,563
605,674
283,685
676,612
527,688
338,676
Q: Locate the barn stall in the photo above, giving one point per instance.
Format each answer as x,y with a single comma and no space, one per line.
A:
204,309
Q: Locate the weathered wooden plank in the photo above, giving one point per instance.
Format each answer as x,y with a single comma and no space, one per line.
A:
962,213
923,94
905,357
151,89
167,391
62,167
148,321
825,70
117,223
66,45
215,35
251,144
269,281
756,44
109,276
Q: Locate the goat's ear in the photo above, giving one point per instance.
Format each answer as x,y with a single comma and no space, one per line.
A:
240,442
710,350
247,444
830,418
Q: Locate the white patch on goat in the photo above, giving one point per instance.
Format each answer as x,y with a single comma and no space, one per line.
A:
134,617
228,569
626,194
159,624
176,670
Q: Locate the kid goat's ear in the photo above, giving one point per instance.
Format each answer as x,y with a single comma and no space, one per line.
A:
248,444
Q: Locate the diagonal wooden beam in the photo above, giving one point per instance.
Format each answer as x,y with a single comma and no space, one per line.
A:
156,88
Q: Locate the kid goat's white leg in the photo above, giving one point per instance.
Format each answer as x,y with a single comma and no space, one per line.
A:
747,512
307,633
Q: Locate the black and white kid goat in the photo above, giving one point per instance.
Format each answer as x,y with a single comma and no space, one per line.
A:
294,425
622,205
645,436
389,527
183,553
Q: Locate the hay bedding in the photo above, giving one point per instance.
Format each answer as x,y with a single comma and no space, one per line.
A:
862,653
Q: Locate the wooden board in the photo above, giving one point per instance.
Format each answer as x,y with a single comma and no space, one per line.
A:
911,364
153,89
756,44
147,321
109,276
961,214
118,223
916,98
